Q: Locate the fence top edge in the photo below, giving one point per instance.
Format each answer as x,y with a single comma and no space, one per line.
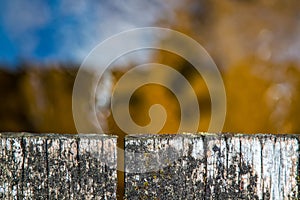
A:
147,135
55,135
212,135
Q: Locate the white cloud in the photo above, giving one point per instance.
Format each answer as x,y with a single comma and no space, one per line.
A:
101,20
22,16
72,8
80,26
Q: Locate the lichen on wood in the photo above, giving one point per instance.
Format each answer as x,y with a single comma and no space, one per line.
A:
55,166
213,166
182,166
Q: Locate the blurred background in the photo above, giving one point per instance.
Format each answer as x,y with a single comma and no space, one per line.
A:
255,44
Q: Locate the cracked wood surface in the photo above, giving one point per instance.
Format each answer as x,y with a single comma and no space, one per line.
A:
52,166
211,166
183,166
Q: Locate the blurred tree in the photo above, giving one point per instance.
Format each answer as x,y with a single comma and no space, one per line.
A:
262,97
37,99
47,94
12,115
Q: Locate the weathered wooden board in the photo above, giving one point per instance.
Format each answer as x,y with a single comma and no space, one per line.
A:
62,165
97,167
211,167
160,167
186,166
50,166
11,167
35,168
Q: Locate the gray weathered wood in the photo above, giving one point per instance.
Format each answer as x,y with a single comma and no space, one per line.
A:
211,166
50,166
11,165
62,165
97,165
35,170
159,167
184,166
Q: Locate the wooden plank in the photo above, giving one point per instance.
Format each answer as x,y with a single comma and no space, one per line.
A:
194,154
279,165
164,167
52,166
63,173
216,153
211,166
184,166
233,167
35,179
11,165
289,167
97,166
109,167
250,167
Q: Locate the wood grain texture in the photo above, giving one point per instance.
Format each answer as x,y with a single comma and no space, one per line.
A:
213,166
97,167
35,170
183,166
51,166
11,167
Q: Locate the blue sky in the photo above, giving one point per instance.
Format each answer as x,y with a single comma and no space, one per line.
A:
65,31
